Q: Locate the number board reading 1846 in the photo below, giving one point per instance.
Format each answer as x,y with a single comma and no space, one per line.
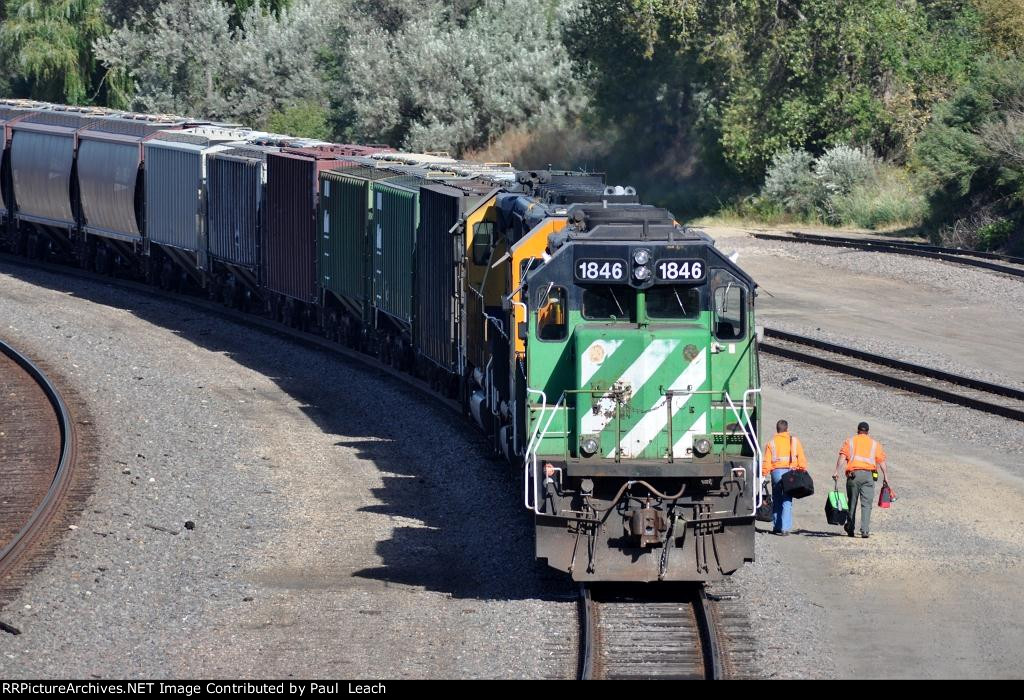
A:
673,270
601,270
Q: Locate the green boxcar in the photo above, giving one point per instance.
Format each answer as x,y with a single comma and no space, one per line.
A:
368,219
342,246
395,220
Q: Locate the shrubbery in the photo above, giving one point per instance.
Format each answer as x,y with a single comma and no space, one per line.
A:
843,186
970,160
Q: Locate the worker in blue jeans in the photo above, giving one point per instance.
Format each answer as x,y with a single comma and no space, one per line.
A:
782,453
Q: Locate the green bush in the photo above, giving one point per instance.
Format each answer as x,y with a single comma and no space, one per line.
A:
887,200
790,184
841,169
995,235
970,160
305,119
844,186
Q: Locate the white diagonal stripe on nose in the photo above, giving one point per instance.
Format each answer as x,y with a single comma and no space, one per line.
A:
655,420
699,427
588,367
636,375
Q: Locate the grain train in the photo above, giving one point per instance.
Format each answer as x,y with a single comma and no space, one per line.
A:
607,352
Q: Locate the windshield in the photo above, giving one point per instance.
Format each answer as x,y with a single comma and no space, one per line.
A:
608,303
675,302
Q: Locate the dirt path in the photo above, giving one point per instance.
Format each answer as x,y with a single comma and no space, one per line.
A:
935,592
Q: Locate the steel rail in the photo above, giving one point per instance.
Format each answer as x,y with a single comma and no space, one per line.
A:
914,245
713,666
589,647
954,255
12,552
999,409
588,642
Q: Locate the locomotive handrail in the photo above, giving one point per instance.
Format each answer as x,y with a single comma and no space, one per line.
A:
752,441
757,447
528,455
530,458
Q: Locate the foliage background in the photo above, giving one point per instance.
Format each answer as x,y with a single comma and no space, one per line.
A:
705,105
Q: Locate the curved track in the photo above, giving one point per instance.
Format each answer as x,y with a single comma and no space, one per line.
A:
685,630
973,258
46,453
634,635
952,388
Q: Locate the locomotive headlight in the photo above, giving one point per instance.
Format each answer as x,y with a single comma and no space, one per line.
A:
589,446
701,447
642,273
641,256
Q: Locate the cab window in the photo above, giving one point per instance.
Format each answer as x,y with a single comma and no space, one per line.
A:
483,238
728,300
673,302
608,303
552,315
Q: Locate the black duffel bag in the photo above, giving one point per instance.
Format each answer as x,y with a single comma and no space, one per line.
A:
797,483
764,511
835,508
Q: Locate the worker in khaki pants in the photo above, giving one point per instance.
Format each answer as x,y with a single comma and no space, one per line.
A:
861,457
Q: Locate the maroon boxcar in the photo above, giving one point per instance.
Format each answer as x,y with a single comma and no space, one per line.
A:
289,239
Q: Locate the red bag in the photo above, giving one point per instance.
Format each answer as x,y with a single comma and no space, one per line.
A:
885,497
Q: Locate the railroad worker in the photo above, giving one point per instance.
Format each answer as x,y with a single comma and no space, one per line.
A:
861,456
782,453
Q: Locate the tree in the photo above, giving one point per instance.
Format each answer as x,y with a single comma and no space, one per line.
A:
119,12
435,83
305,119
1003,24
971,157
187,58
751,78
47,50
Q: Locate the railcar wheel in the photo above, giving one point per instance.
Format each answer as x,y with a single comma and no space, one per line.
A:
32,247
102,260
166,275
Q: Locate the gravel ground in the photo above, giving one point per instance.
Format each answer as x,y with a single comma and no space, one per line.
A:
956,422
938,314
332,532
901,351
791,630
944,278
912,601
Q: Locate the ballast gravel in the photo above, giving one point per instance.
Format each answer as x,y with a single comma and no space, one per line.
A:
267,510
984,286
939,314
966,425
934,592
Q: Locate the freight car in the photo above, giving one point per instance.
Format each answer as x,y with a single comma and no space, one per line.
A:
606,351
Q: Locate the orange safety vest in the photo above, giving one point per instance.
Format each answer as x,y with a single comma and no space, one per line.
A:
777,462
864,459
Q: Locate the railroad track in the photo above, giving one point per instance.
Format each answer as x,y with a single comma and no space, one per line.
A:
632,634
974,258
980,395
38,455
695,612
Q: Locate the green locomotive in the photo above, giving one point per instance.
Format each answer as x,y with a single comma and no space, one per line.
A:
603,349
631,396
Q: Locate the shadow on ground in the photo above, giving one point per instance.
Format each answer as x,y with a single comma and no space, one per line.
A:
471,539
